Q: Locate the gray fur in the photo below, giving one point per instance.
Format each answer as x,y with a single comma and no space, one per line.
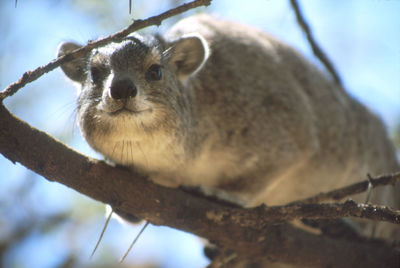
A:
252,122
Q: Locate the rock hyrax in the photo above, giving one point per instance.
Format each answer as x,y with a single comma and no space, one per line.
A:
229,109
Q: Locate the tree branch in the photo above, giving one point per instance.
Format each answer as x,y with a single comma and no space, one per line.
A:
31,76
259,217
352,189
318,52
258,233
235,228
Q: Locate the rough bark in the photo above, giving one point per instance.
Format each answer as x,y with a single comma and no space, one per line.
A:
248,232
260,233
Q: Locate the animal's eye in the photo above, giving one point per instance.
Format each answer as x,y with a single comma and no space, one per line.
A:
97,74
154,73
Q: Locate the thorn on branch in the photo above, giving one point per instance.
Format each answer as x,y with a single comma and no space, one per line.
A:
369,189
352,189
190,213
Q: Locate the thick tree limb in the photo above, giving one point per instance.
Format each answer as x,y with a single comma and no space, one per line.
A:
248,232
235,228
31,76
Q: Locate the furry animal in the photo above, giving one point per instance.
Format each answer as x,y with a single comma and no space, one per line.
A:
231,110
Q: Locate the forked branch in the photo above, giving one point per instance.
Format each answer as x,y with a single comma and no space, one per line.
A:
258,233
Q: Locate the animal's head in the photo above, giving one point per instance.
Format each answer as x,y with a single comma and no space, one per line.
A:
134,87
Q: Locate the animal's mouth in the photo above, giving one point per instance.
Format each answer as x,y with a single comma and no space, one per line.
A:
125,110
125,107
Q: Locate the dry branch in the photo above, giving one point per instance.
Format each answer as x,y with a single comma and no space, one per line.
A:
259,217
234,228
352,189
318,52
248,232
31,76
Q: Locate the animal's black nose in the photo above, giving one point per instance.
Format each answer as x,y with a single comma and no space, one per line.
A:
123,89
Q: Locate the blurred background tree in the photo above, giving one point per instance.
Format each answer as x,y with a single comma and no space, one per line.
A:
44,224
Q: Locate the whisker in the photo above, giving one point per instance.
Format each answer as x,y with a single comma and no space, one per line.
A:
127,151
115,146
130,146
122,151
144,155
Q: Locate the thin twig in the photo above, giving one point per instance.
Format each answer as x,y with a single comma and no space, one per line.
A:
352,189
318,52
31,76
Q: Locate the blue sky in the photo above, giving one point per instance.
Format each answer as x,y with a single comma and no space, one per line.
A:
362,37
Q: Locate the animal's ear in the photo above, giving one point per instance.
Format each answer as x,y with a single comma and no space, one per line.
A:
188,54
74,69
